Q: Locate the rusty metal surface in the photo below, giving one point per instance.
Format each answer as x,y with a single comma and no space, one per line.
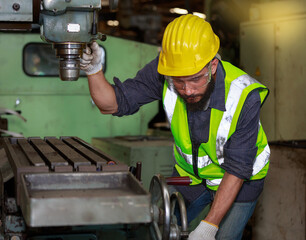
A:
19,162
30,152
49,155
68,199
69,154
52,152
6,172
92,156
112,164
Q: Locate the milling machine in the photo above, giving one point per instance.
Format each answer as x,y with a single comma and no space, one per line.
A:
64,188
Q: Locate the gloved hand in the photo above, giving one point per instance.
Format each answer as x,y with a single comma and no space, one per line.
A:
91,61
204,231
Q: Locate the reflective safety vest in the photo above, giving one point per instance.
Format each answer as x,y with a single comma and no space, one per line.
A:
238,85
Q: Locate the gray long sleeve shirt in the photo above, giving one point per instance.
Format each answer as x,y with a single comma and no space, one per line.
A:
239,151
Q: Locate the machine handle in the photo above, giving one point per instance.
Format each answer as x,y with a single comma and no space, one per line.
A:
10,133
12,112
185,181
138,171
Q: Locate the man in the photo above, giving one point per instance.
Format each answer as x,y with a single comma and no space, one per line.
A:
213,110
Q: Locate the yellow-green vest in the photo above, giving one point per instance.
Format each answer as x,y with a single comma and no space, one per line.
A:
222,125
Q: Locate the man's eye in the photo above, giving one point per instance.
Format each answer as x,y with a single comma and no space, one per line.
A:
178,82
195,80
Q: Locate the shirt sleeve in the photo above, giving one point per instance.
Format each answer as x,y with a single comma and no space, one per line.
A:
240,149
144,88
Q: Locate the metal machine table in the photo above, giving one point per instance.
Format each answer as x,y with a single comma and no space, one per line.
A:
67,182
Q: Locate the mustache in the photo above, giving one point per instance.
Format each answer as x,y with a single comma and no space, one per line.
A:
191,96
204,98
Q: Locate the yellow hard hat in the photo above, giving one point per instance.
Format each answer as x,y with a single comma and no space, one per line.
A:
189,43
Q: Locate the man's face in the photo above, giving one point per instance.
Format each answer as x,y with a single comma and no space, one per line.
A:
196,89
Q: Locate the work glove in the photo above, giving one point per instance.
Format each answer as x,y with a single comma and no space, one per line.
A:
204,231
91,60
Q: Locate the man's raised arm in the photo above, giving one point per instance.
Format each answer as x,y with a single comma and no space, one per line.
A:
102,92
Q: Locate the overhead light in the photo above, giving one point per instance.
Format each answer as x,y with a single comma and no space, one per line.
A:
113,23
178,10
201,15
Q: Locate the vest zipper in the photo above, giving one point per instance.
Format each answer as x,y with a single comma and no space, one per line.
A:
195,151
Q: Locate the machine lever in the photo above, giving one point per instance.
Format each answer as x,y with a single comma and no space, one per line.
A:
10,133
184,181
136,171
11,112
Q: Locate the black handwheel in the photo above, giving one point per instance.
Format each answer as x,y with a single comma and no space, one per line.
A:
160,207
178,232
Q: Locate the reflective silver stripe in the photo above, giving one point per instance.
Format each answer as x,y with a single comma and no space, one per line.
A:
169,102
261,160
232,101
202,161
215,182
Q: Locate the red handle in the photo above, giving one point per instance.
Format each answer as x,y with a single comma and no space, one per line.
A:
185,181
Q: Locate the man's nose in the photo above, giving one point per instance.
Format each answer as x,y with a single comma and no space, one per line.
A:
188,90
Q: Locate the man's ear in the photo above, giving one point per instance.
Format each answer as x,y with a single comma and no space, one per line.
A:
214,65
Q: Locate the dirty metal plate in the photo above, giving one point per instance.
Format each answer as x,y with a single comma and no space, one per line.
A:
6,172
29,151
52,155
69,199
42,148
65,154
82,147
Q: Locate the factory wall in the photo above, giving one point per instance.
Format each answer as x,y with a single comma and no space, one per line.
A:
273,51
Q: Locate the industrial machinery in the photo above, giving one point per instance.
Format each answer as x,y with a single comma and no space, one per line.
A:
66,187
68,25
29,76
57,108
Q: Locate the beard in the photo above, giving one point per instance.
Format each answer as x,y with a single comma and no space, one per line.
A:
201,104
